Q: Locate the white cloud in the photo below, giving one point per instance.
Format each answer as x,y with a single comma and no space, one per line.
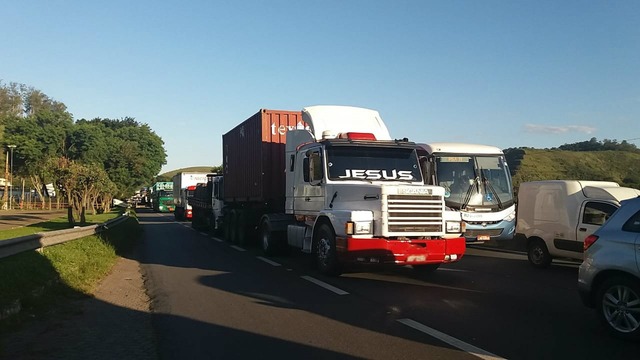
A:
548,129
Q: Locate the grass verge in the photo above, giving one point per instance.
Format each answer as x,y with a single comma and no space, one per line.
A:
59,223
44,281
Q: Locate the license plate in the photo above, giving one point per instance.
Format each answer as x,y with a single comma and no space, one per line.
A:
414,258
484,237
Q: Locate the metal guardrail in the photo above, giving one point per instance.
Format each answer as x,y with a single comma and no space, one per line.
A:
43,239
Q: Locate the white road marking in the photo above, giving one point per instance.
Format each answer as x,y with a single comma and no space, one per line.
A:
216,239
204,234
468,348
237,248
325,285
270,262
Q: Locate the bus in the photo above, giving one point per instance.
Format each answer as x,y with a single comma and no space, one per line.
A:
477,183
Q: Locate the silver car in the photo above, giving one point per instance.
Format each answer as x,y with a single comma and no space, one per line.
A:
609,276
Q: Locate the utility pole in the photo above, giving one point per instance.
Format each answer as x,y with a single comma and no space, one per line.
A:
11,147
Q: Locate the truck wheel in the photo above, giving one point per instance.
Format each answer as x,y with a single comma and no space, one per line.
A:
245,234
269,241
426,268
538,254
618,306
233,227
212,225
325,251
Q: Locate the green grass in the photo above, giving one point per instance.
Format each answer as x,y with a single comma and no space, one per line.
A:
47,280
60,223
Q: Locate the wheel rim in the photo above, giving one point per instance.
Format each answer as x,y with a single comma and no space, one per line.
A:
621,308
265,239
324,248
537,254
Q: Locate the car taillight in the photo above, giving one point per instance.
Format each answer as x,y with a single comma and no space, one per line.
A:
588,241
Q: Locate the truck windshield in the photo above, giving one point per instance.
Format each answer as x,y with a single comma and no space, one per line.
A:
475,180
372,163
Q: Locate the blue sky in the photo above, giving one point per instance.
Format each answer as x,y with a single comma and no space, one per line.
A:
504,73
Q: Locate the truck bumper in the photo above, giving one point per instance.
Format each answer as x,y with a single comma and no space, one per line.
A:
400,252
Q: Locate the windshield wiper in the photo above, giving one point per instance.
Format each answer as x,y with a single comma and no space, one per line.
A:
467,196
486,183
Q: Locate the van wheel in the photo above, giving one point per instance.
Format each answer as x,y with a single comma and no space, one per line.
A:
618,306
538,254
325,251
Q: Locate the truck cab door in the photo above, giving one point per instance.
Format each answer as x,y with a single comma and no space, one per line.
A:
309,189
592,215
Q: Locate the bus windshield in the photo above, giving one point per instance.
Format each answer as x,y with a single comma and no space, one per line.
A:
474,181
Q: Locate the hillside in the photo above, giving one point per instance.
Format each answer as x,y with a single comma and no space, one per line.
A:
528,164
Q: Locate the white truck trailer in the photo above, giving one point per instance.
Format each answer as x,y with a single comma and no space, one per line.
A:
183,183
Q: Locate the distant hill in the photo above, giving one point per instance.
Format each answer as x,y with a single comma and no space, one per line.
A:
196,169
528,164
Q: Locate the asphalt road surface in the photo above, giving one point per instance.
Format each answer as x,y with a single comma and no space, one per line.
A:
214,300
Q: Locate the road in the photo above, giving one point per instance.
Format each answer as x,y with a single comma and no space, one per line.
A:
214,300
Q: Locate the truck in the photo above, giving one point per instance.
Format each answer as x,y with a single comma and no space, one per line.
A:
477,183
161,196
331,181
184,183
555,216
207,204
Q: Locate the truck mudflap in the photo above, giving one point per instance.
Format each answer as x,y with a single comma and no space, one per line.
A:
400,252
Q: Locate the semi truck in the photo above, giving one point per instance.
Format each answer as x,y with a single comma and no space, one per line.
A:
161,194
207,203
555,216
184,183
477,184
331,182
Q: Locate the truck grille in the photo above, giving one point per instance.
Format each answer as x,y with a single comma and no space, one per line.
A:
414,214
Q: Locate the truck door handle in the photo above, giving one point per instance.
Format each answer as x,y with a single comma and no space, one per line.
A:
582,229
307,199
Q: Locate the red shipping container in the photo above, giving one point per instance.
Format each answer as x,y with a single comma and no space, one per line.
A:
253,157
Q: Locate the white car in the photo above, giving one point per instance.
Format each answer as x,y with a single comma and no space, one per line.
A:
609,276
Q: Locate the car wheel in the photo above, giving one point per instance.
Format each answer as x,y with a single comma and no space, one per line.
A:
426,268
618,306
325,251
538,254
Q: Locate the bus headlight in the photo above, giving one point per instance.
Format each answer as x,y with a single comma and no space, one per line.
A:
510,217
454,227
358,227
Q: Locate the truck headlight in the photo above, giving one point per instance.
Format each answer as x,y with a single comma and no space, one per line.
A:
454,227
358,227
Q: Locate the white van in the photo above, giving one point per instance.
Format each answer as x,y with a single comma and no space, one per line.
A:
555,216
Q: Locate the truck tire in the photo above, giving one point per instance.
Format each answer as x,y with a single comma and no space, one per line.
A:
246,233
538,254
212,225
233,227
324,251
270,241
426,268
618,306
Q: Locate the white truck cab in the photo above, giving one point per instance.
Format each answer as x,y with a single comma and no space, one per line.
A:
555,216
